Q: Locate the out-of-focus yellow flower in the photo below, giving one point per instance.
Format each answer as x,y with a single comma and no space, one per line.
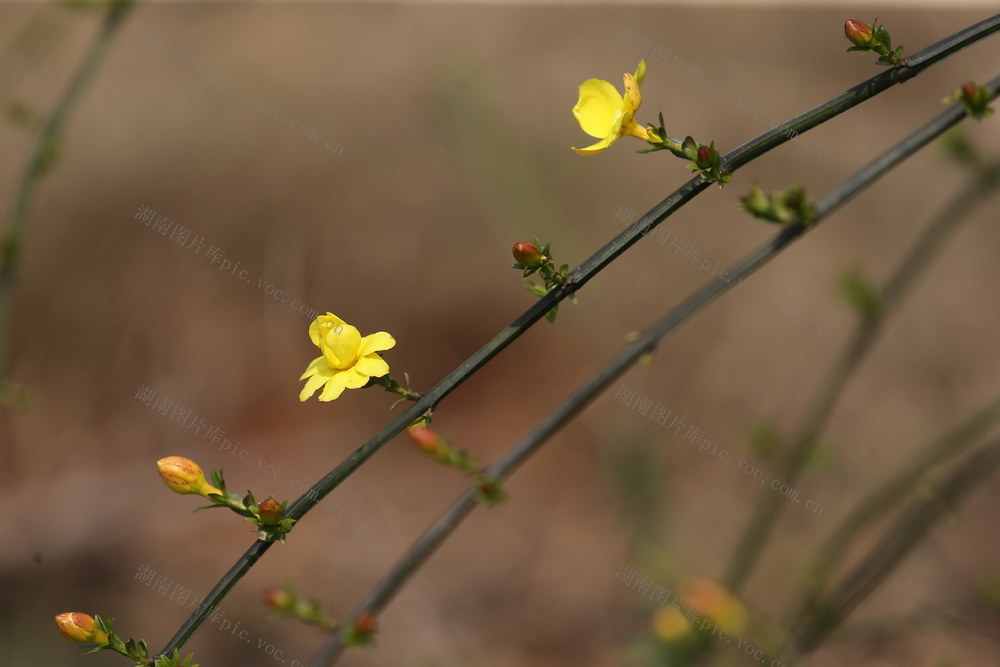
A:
78,627
715,602
670,625
348,360
607,115
184,476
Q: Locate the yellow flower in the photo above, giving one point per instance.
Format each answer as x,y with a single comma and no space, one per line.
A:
605,114
715,602
78,627
348,360
670,625
184,476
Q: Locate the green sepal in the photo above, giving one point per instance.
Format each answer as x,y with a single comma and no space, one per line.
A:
174,660
489,492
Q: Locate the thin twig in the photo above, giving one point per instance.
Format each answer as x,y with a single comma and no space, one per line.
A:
383,592
883,558
35,168
806,438
880,500
577,278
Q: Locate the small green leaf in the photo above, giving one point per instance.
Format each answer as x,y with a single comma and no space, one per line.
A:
861,295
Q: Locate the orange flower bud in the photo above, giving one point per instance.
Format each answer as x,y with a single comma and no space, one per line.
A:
78,627
270,512
527,253
427,440
859,33
184,476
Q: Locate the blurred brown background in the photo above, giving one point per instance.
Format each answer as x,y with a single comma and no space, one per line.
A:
442,136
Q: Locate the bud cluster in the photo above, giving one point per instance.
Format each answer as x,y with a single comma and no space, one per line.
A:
84,628
782,207
872,38
284,603
184,476
532,259
976,99
488,489
704,158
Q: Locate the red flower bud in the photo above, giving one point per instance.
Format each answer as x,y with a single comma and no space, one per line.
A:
704,156
366,623
277,599
858,33
270,512
527,253
427,440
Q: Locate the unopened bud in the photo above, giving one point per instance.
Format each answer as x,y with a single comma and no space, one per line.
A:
528,254
427,440
184,476
278,599
270,512
970,90
704,156
78,627
858,33
756,202
363,631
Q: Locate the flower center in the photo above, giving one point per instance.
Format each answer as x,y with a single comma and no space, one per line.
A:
341,345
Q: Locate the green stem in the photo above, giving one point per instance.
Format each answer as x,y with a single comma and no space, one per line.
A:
591,267
425,545
805,441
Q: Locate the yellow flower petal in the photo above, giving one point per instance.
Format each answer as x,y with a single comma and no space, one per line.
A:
633,97
335,386
353,379
372,366
376,342
314,383
341,345
599,147
314,367
640,71
598,108
321,325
